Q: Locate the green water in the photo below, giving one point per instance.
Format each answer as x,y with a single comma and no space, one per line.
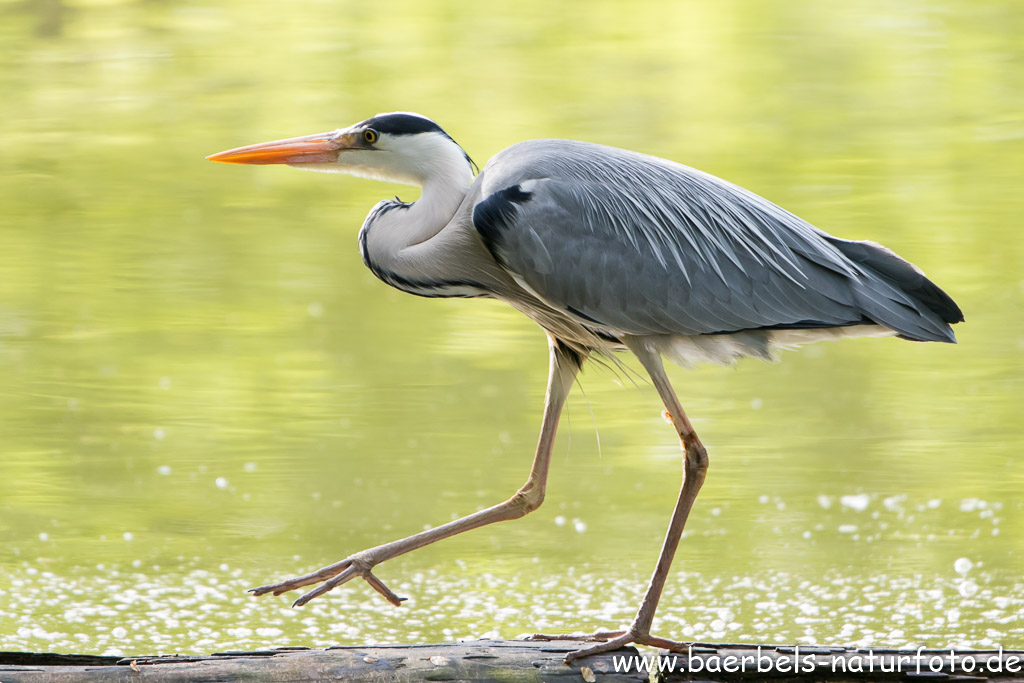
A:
202,388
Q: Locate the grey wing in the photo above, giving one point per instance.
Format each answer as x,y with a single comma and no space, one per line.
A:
639,245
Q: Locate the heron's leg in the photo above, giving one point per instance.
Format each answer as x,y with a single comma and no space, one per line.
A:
564,365
695,465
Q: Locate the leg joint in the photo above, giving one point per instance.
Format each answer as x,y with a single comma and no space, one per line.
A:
527,499
363,562
696,456
637,632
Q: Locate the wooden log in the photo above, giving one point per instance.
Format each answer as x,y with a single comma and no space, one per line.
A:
505,661
492,661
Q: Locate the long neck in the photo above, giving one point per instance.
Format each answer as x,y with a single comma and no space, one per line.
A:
403,243
428,215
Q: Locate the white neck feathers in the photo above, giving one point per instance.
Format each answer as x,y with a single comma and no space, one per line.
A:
395,239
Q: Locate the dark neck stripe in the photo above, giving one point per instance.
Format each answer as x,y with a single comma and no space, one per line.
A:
432,289
375,213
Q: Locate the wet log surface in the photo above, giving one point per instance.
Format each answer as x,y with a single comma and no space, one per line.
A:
514,661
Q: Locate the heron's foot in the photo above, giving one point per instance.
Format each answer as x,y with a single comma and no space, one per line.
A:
606,641
330,577
596,636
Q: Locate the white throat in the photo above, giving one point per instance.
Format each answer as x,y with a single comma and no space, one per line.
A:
395,238
438,165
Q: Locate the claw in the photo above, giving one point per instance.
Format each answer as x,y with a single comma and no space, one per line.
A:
379,586
597,636
664,644
625,638
332,577
346,575
304,580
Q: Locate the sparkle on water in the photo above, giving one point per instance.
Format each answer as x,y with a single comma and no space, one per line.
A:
203,389
139,608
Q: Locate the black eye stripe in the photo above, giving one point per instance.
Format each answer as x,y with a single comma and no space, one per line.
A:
409,124
402,124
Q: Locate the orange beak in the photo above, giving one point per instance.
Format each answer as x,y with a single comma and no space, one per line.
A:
309,149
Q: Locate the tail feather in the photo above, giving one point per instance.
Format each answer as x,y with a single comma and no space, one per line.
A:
924,312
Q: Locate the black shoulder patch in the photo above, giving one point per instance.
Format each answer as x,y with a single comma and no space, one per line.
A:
494,215
403,124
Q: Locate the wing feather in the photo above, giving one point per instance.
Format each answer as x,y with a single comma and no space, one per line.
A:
646,246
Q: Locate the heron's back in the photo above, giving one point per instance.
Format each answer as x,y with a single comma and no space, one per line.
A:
632,244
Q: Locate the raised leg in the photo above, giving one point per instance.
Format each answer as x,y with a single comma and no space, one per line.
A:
564,365
695,466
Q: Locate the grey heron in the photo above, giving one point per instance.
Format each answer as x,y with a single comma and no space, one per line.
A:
606,250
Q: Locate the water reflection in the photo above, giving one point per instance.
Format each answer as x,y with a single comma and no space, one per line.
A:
203,389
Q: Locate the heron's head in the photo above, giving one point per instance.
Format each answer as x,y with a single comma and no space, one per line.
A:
399,147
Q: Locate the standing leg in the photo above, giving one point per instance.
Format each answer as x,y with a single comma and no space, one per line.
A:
564,365
695,465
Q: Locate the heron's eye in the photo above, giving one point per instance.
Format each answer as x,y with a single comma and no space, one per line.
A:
370,135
